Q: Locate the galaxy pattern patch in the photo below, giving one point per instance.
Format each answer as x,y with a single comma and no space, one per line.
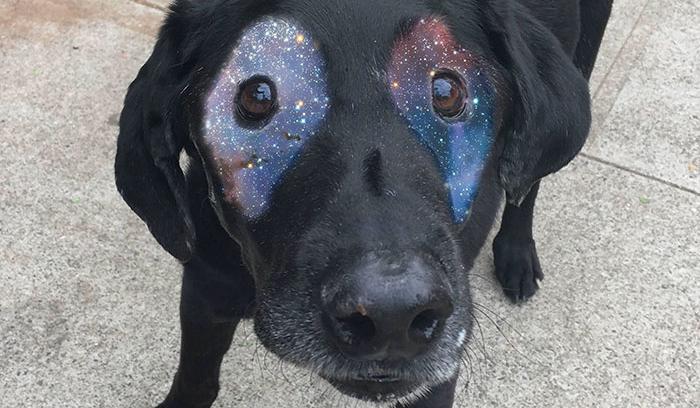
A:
250,162
461,148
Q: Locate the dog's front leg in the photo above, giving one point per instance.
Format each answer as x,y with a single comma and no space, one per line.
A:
440,396
514,252
211,306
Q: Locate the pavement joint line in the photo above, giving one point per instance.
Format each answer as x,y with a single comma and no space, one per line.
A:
618,54
607,105
148,4
639,173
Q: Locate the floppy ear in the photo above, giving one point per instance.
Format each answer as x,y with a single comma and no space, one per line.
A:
152,132
550,115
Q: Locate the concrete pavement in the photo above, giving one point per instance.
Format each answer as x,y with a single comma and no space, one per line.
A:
88,301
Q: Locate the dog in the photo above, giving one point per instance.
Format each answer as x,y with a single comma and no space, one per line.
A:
347,160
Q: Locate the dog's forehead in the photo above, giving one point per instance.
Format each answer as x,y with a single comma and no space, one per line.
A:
354,33
358,37
350,22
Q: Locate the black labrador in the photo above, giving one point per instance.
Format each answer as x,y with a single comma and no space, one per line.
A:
346,162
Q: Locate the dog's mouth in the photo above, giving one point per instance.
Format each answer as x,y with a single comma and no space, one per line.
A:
375,387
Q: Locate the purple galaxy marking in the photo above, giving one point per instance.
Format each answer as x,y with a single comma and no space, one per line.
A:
251,162
460,148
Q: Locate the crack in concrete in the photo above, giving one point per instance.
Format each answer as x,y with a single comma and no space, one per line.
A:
639,173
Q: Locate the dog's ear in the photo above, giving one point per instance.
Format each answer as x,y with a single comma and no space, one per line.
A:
550,113
152,132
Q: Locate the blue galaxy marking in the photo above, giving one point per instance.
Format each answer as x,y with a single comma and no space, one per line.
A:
460,148
251,162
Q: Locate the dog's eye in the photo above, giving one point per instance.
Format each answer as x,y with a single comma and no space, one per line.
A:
449,95
256,101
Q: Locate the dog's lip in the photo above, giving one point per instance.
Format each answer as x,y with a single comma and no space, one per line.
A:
372,375
374,386
381,378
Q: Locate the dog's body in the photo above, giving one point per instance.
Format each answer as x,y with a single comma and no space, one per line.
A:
372,195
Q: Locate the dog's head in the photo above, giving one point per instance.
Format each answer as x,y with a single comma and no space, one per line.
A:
347,145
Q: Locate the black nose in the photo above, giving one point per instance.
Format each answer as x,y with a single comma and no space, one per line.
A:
382,310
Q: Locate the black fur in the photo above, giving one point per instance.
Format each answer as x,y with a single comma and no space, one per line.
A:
362,186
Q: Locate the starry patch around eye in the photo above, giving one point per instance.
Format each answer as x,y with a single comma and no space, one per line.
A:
461,147
250,161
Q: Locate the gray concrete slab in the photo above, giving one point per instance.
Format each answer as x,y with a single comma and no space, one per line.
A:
646,111
88,308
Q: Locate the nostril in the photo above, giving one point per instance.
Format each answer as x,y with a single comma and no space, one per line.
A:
426,326
355,328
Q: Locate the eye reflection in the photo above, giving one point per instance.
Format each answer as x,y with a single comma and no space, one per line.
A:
263,93
442,89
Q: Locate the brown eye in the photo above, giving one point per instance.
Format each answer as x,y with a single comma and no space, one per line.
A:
256,101
449,95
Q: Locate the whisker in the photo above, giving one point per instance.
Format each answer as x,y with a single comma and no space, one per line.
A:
481,335
500,330
283,373
499,317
